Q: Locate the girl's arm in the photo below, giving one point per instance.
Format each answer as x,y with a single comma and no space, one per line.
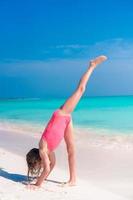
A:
46,165
52,162
44,176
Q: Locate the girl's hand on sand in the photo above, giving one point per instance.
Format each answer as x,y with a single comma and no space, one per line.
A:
32,187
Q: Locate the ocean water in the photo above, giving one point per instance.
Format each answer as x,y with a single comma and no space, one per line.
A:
112,114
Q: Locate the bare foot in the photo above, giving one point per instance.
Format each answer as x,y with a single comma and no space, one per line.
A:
69,183
98,60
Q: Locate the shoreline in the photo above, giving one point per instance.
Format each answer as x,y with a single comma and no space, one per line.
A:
94,137
24,126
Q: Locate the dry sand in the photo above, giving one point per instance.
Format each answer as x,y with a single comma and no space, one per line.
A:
104,172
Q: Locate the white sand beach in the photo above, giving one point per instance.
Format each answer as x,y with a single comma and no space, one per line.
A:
103,173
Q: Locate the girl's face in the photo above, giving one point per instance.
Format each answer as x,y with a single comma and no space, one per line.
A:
37,166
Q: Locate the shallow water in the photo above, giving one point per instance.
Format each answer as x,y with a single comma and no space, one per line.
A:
113,114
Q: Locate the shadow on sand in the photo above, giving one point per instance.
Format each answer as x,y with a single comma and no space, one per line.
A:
21,178
12,177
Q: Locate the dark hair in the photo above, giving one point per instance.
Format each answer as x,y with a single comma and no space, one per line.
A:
34,162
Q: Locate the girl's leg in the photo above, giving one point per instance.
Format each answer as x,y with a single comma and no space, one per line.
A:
71,103
69,140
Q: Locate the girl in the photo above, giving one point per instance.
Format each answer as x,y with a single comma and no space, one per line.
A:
60,126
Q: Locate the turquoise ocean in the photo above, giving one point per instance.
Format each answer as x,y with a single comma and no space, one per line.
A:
111,114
